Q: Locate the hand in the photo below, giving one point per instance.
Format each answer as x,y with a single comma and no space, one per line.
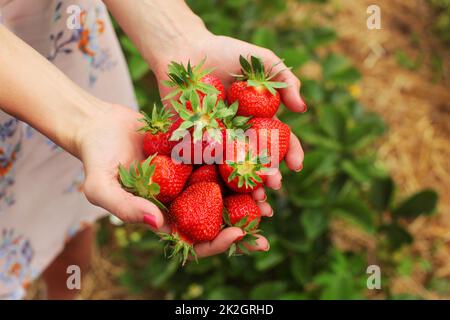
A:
112,138
222,54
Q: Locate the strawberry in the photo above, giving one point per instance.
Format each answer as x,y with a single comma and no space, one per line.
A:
157,129
195,216
256,94
185,80
204,123
241,211
242,170
206,173
265,130
157,179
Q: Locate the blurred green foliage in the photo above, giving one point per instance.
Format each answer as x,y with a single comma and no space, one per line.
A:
341,179
442,21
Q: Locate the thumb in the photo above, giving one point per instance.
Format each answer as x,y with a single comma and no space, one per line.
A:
106,192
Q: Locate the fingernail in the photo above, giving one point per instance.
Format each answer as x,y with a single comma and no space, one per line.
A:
263,200
271,214
277,188
150,220
267,248
300,168
240,238
303,105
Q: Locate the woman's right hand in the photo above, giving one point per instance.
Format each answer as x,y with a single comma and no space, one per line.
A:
112,137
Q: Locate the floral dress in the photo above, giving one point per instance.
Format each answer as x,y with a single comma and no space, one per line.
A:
41,203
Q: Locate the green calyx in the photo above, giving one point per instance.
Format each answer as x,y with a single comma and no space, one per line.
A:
253,71
236,122
246,171
158,122
239,247
137,180
203,116
177,247
184,80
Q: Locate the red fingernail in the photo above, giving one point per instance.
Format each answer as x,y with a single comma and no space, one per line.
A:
263,200
303,104
239,238
150,220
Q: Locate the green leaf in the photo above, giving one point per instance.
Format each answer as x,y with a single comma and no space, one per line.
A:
296,57
397,235
355,171
356,210
381,193
338,70
421,203
268,261
365,131
314,223
332,121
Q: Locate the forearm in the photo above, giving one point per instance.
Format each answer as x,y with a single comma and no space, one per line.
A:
36,92
158,27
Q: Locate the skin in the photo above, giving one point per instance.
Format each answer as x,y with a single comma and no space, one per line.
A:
101,134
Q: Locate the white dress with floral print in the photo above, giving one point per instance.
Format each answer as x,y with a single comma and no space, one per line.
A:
41,204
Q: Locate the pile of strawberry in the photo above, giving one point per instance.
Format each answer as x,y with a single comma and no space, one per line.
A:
199,199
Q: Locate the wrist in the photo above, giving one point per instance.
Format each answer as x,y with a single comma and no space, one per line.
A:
171,36
84,123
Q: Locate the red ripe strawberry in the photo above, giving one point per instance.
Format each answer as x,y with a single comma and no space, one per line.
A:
266,130
242,210
204,124
205,173
158,129
242,170
195,216
185,80
256,94
157,179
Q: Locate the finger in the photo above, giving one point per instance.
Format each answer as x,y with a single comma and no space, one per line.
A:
259,195
266,209
221,243
262,244
274,180
107,193
294,156
291,94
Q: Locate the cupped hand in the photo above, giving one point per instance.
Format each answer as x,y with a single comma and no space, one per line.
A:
222,54
112,138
